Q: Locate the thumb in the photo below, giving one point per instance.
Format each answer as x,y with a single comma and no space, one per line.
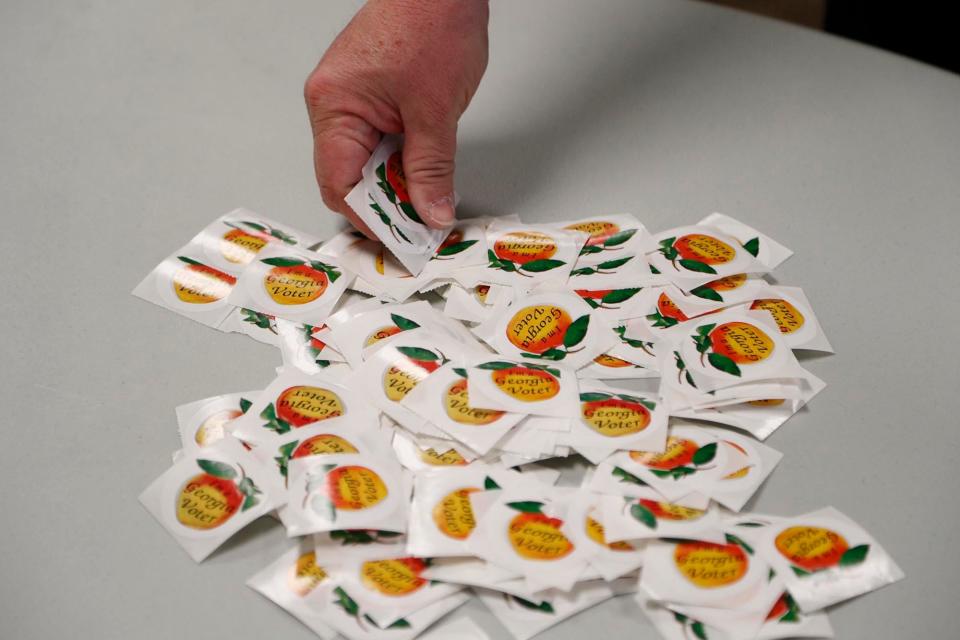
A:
428,161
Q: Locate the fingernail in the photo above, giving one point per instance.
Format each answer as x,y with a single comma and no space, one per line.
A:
441,213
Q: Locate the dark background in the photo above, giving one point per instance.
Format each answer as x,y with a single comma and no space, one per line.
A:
919,29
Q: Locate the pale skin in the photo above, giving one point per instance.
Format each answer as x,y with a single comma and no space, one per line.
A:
399,66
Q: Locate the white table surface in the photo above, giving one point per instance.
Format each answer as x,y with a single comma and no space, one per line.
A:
126,126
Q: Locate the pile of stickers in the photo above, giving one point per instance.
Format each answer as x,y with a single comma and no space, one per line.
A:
424,381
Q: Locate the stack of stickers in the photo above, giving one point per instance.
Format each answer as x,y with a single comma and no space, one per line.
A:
423,380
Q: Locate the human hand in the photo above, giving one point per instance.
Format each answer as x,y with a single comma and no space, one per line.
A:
409,66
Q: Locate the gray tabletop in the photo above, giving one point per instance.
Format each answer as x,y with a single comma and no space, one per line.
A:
125,127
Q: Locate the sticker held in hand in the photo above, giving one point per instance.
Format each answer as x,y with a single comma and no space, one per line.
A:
383,203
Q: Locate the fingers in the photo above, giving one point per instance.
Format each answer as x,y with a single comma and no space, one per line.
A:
339,155
342,143
428,162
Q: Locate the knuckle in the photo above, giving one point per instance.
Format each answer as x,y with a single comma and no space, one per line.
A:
319,88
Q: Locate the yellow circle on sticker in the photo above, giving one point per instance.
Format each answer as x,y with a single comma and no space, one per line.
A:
709,565
453,515
295,285
526,384
393,577
354,488
787,316
537,328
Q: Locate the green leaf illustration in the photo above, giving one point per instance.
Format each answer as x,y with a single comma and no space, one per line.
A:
400,623
217,469
352,536
638,344
705,329
752,246
549,354
496,366
244,405
332,272
454,249
346,602
793,615
419,354
250,492
489,483
696,265
460,372
619,295
793,612
526,506
707,293
619,238
660,321
544,606
854,555
705,454
576,331
626,476
682,370
260,320
283,459
537,266
283,262
800,573
703,344
593,303
678,473
590,248
732,539
283,236
286,450
699,631
670,254
404,324
410,212
273,423
613,264
641,514
189,261
723,363
594,397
